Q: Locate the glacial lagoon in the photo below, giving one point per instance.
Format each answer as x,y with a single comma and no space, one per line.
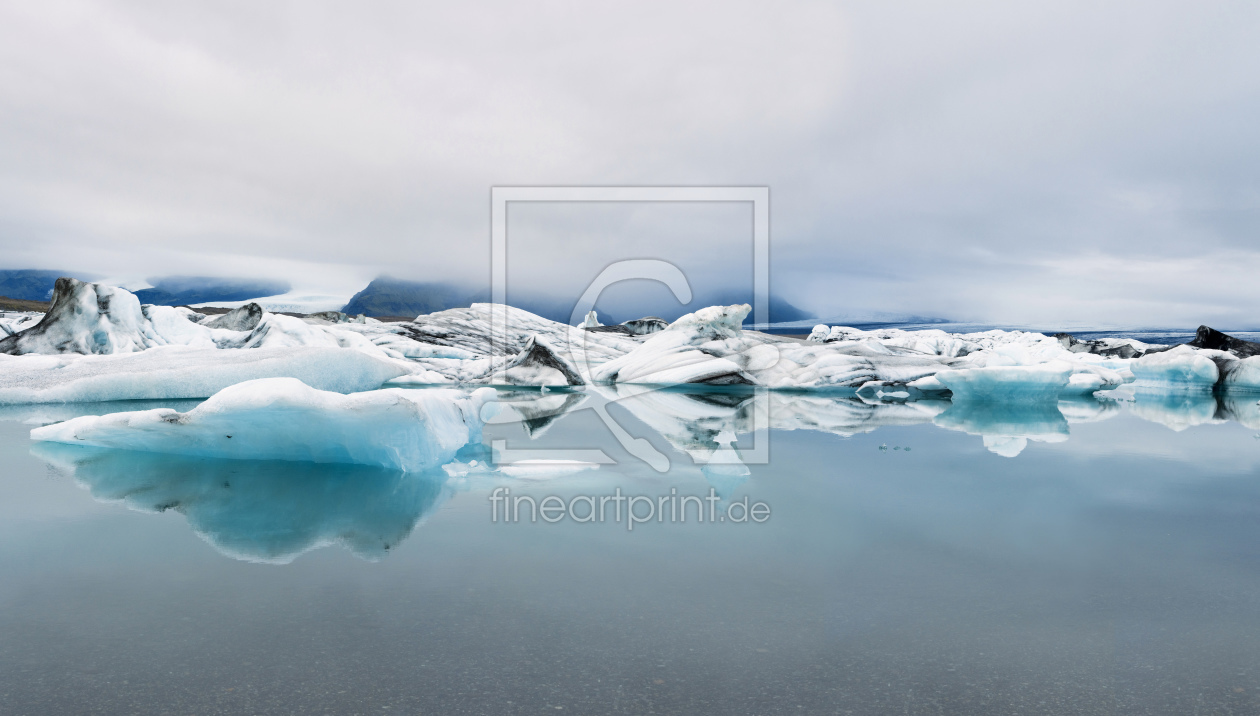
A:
923,558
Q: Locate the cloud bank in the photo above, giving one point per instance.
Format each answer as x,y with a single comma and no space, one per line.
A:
1050,163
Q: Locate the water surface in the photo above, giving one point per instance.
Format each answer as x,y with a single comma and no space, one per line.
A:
1111,565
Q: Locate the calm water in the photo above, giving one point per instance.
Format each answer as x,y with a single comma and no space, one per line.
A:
1111,565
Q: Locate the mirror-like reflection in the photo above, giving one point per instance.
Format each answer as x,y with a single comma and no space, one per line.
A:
260,511
272,511
922,557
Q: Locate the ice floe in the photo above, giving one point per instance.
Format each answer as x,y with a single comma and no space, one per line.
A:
284,419
11,322
488,344
180,372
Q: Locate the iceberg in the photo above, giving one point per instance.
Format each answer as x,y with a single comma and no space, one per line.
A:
94,319
488,344
710,347
285,419
1212,339
11,322
646,326
85,318
1013,383
174,372
1241,375
1181,367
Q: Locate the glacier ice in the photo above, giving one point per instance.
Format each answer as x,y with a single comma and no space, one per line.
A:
1186,368
85,318
646,326
487,344
1007,383
12,322
180,372
285,419
1181,366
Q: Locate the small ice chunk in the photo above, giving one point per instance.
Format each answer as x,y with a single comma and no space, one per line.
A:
542,469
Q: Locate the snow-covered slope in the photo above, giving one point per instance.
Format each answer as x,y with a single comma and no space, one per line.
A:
285,419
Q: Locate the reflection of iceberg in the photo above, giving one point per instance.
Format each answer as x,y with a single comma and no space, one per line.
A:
1082,409
846,416
1007,428
690,421
536,412
702,423
725,469
283,419
1177,409
1244,409
260,511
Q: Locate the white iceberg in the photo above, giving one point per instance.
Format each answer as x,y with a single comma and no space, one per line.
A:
489,344
178,372
1178,367
284,419
12,322
710,347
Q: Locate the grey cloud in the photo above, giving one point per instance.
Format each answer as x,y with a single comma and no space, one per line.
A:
1020,162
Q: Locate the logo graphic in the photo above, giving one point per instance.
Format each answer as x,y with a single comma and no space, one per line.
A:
658,270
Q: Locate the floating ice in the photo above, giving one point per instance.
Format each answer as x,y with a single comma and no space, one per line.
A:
94,319
85,318
11,322
1021,383
544,469
284,419
179,372
1180,367
491,344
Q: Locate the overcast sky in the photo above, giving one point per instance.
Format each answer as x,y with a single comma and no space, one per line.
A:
1072,162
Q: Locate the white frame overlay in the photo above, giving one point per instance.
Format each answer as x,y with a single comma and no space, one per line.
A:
758,196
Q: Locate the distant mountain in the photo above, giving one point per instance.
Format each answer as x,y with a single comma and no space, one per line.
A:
187,290
562,309
387,296
32,285
870,318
